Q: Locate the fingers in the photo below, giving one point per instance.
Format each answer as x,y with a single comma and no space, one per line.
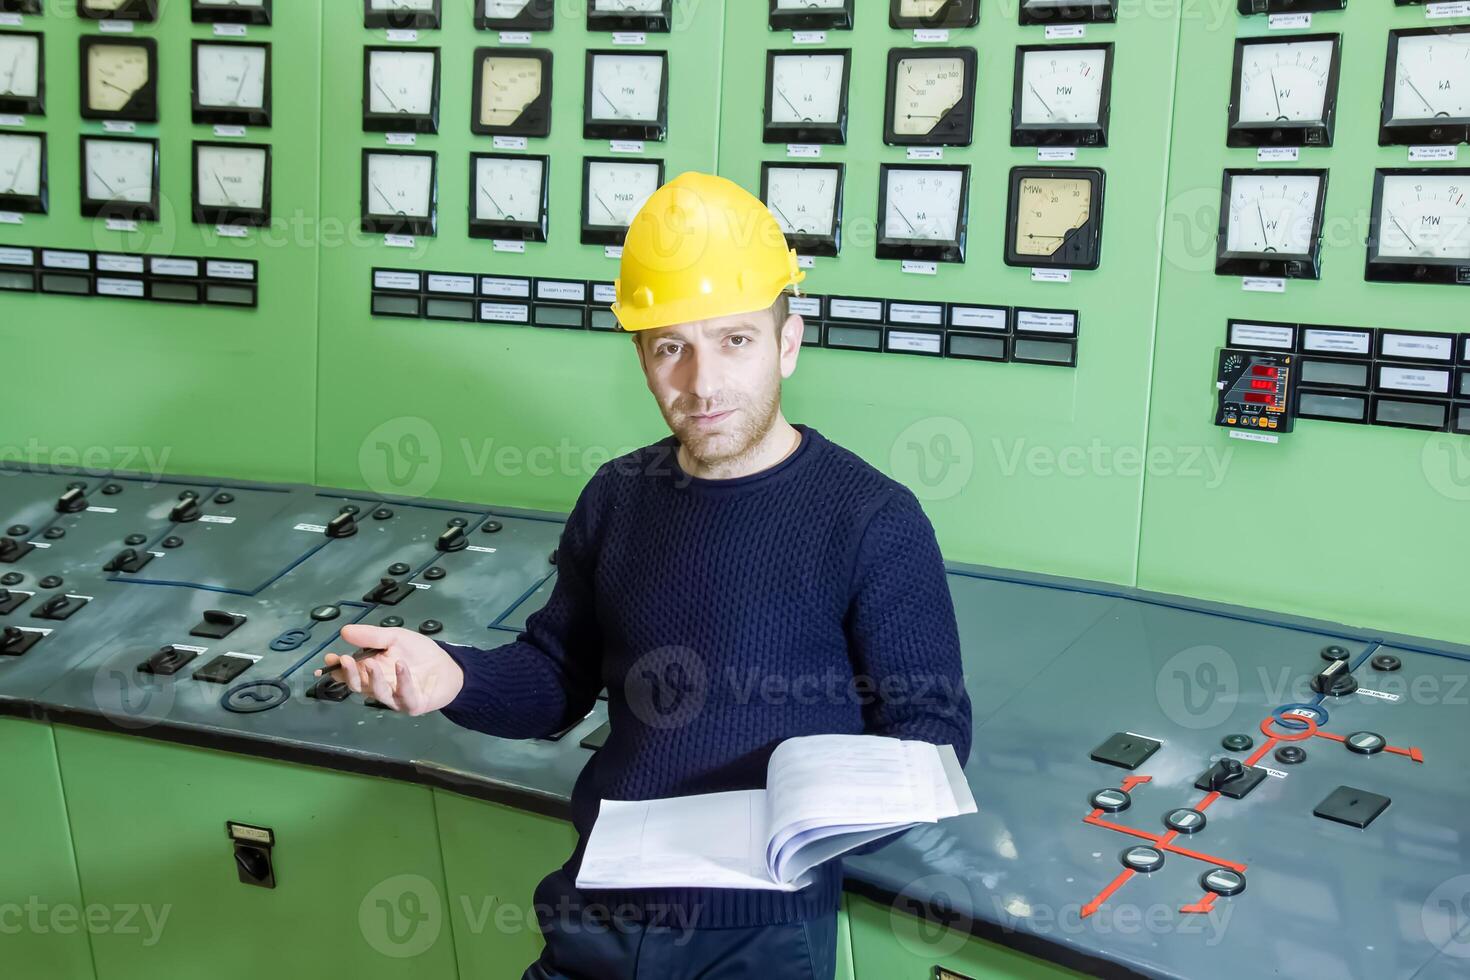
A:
369,637
381,681
409,694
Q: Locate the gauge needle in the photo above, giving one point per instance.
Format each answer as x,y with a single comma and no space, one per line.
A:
492,200
605,207
15,175
788,101
1402,231
222,190
118,87
1410,82
10,82
615,109
1276,91
1265,236
1041,100
382,195
104,183
789,222
386,96
243,75
905,219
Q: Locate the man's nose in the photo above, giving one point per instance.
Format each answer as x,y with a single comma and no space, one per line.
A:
704,376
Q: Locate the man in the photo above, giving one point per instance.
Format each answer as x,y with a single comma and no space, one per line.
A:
736,584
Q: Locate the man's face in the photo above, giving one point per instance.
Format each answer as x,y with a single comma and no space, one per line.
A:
718,381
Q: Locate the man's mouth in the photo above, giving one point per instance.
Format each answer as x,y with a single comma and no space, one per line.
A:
711,418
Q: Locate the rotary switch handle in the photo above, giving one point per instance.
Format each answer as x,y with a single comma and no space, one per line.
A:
453,539
13,636
1335,679
9,547
72,501
53,605
344,525
186,510
1224,772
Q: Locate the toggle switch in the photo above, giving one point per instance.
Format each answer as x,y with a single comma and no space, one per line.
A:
15,641
1229,777
71,502
389,592
252,846
186,510
59,607
13,550
11,601
344,525
167,660
128,560
217,624
1335,680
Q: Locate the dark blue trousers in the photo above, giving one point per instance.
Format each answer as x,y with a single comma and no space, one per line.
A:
584,943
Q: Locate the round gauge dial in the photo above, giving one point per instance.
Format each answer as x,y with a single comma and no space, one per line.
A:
1285,82
507,86
508,189
1062,85
230,75
231,177
1272,213
115,74
1049,210
803,199
1431,77
926,89
807,88
1425,216
615,191
923,205
400,184
20,65
401,82
119,170
626,87
20,165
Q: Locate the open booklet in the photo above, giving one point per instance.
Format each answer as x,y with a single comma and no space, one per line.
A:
824,796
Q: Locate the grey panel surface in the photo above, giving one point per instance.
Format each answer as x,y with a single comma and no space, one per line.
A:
1053,669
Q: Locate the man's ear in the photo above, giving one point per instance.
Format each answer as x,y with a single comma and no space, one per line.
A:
791,333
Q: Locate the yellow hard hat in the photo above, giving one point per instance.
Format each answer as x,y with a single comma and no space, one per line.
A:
701,247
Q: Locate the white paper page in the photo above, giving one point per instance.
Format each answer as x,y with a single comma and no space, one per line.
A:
714,840
849,780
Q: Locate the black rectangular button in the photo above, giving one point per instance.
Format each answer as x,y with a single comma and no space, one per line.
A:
222,669
1354,807
1125,750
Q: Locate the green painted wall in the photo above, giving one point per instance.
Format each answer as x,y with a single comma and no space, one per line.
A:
1359,524
1026,466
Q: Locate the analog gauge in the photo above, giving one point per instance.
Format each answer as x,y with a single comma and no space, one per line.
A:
23,172
232,184
515,15
231,11
931,96
1055,217
119,78
612,193
22,73
1284,90
919,14
1062,95
806,200
118,9
400,90
630,15
508,196
1271,223
1426,90
810,15
922,211
1068,11
232,83
806,96
120,178
627,96
1420,226
512,92
399,192
401,14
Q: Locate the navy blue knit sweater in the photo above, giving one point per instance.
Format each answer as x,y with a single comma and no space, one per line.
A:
723,617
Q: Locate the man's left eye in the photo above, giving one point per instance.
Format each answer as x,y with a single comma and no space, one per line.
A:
739,340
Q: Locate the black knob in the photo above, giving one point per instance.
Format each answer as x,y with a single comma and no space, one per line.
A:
453,539
9,547
430,626
382,513
1335,652
398,568
186,510
1335,680
433,573
391,621
51,582
490,527
13,636
72,501
111,488
344,525
224,498
1386,662
1224,772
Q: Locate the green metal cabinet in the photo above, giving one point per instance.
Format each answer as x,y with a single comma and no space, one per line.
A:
43,920
888,944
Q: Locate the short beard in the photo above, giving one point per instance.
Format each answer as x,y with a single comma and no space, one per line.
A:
712,450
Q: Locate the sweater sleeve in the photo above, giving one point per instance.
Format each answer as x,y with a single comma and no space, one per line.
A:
903,638
550,675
